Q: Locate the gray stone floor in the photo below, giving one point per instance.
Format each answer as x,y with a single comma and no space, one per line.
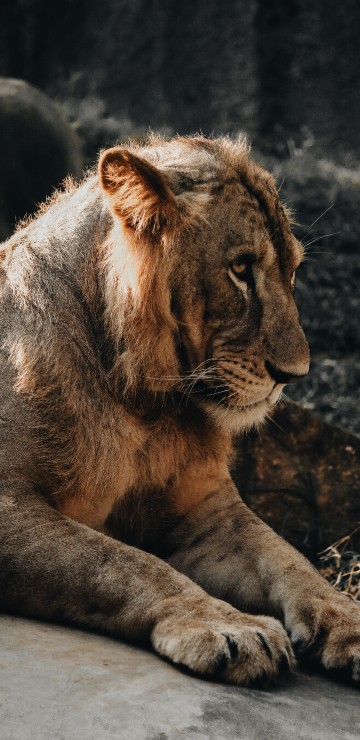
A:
58,683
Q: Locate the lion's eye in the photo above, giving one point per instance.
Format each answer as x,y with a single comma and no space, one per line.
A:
241,268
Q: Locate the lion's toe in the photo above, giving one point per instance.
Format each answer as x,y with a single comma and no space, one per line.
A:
329,630
240,650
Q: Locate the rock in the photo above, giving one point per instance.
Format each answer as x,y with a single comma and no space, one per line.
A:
301,476
39,148
58,682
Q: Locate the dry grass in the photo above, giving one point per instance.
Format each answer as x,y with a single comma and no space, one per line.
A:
340,564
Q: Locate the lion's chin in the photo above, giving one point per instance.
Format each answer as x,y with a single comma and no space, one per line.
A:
237,419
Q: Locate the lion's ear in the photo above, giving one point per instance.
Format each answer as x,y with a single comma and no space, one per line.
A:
138,192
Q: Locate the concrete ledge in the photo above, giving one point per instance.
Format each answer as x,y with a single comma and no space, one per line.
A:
58,683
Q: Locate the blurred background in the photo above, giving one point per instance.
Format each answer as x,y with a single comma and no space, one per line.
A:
286,72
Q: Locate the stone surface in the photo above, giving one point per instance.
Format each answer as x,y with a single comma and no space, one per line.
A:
302,476
58,683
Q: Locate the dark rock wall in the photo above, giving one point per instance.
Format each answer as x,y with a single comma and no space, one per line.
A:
39,148
285,69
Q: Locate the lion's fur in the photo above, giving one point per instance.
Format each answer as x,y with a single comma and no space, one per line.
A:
131,353
98,292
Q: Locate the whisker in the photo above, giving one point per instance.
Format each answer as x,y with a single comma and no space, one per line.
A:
280,186
319,217
318,238
216,392
204,375
187,375
204,362
270,418
322,251
234,393
191,389
285,397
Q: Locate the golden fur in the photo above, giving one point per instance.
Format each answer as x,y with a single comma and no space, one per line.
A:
148,315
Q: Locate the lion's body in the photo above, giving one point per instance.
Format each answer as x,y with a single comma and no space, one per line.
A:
95,449
135,341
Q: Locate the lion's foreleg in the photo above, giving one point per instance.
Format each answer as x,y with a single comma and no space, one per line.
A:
55,568
231,553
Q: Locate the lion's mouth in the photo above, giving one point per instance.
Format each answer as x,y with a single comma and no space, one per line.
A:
222,394
217,394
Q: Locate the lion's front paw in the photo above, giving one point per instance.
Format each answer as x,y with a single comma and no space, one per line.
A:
220,641
328,628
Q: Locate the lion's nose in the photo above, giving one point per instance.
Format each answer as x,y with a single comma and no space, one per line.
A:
282,377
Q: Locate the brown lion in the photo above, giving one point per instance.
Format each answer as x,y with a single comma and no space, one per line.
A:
148,316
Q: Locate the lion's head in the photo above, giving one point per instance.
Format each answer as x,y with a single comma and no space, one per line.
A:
201,276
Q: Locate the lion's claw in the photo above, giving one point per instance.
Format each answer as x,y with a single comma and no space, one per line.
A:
222,642
327,629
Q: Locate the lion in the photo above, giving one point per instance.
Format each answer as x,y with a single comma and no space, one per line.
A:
148,317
